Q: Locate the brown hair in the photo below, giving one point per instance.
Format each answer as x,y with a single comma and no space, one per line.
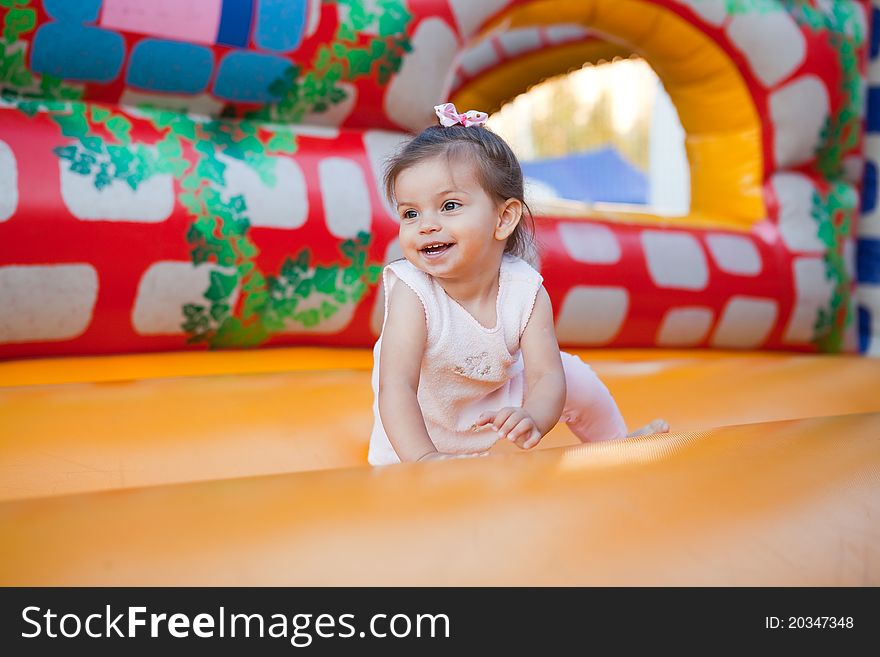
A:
498,170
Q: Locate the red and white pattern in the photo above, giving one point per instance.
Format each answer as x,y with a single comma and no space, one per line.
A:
89,272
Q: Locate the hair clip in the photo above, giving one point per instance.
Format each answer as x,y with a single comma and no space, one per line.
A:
448,116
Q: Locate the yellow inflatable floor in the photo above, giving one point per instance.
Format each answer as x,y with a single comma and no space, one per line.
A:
250,468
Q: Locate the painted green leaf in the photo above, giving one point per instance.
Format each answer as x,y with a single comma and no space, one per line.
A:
328,310
211,197
255,282
83,163
29,107
350,275
254,303
234,333
120,157
192,309
264,167
251,144
374,272
72,125
238,204
282,142
204,147
19,21
308,318
359,62
169,147
304,288
11,63
289,269
334,72
189,182
302,260
191,203
227,331
345,33
65,152
219,311
211,169
348,248
184,127
826,233
273,323
225,254
337,95
178,167
199,255
323,57
164,118
22,78
325,279
119,127
222,286
102,180
358,291
248,249
235,226
93,143
98,114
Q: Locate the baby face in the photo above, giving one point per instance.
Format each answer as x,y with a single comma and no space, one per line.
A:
447,220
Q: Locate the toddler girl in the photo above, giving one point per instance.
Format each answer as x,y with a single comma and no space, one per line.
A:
468,352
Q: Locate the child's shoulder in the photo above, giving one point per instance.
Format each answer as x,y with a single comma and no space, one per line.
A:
412,276
403,268
517,268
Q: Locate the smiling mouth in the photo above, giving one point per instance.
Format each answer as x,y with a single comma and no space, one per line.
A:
436,248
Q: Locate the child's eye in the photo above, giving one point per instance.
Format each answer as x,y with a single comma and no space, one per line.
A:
410,214
451,205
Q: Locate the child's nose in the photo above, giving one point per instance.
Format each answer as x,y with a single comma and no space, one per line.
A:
429,224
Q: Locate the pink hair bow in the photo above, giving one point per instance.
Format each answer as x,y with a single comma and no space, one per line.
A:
448,116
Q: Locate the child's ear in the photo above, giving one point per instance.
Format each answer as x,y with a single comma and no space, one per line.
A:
510,213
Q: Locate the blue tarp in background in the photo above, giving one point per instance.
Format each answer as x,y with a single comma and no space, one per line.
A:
600,175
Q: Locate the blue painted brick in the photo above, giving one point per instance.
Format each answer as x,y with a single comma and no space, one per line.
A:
170,66
246,76
77,52
73,11
280,24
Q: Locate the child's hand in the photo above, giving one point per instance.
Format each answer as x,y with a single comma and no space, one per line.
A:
513,423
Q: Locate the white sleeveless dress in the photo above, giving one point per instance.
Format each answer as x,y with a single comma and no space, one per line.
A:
467,368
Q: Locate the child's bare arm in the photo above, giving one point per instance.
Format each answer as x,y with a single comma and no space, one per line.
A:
403,344
544,395
544,376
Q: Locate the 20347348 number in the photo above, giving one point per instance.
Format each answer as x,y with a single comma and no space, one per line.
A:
808,622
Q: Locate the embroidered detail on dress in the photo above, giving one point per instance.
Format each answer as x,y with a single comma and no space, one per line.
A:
474,366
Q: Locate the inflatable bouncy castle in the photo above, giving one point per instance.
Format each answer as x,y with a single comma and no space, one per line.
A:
193,232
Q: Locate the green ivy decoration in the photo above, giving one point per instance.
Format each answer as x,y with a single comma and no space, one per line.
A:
348,57
832,213
303,292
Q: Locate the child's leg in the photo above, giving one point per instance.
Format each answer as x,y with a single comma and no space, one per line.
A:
590,411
